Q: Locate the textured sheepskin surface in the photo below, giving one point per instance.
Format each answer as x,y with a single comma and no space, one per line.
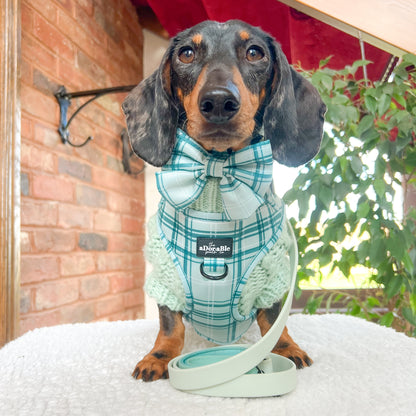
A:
84,369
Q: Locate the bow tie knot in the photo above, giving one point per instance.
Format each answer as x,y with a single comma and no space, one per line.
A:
246,175
214,167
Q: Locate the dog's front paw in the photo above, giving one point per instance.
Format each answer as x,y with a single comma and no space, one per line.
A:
152,368
294,353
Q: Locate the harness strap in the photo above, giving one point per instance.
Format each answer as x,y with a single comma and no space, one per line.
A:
228,371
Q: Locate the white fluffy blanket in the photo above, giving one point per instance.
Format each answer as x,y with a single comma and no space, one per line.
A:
84,369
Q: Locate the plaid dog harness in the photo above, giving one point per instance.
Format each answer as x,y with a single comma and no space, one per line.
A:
215,253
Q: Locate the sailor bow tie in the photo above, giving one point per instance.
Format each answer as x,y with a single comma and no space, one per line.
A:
246,175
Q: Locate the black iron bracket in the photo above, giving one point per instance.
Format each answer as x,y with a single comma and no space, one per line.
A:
64,101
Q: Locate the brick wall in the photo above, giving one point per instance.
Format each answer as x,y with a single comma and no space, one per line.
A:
82,217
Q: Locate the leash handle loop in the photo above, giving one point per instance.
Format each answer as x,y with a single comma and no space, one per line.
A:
227,377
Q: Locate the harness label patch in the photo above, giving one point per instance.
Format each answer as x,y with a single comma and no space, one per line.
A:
214,247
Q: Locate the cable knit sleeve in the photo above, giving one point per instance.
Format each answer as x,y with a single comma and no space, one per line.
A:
163,283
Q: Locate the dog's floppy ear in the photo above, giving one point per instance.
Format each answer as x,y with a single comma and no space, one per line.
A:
152,116
294,117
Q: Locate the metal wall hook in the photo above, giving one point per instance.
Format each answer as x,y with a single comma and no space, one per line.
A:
64,100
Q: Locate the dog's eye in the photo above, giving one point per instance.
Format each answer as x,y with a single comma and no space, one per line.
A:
186,55
254,53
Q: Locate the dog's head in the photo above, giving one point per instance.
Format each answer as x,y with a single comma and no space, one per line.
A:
221,83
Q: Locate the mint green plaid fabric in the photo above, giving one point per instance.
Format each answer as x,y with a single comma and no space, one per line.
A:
214,276
212,305
246,175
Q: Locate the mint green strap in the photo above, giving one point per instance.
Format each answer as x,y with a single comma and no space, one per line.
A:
227,377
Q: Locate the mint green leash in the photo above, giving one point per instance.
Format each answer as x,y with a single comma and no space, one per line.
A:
241,370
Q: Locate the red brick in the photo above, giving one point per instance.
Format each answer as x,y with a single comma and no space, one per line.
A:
38,104
77,264
73,216
90,25
106,178
38,268
58,293
107,221
91,68
68,5
123,242
35,158
103,38
45,8
137,207
133,298
25,244
87,5
109,305
118,202
26,128
26,75
79,312
38,320
72,78
91,153
47,136
121,282
56,241
39,213
131,224
25,300
110,142
94,286
73,31
37,54
93,197
51,37
113,261
52,187
26,17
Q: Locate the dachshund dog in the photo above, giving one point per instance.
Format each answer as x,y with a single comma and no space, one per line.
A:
223,84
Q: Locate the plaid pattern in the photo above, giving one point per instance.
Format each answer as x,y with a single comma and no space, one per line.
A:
212,305
246,176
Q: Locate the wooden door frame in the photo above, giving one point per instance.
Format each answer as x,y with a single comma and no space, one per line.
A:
10,120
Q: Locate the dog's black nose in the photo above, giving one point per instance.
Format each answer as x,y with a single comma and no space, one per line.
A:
218,105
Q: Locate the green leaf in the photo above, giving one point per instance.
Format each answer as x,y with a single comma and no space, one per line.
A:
380,187
409,58
387,319
383,104
409,316
357,165
366,123
372,302
377,252
400,99
412,300
408,263
370,103
324,62
326,195
363,210
393,286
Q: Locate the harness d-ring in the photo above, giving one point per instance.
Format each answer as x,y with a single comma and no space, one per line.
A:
221,276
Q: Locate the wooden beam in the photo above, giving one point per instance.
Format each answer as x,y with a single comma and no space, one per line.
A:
387,24
9,169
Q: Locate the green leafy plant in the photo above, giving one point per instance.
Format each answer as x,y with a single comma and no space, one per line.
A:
348,196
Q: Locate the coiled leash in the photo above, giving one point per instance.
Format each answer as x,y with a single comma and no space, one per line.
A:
241,370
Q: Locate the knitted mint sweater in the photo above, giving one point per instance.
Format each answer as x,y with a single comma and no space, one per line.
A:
267,283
